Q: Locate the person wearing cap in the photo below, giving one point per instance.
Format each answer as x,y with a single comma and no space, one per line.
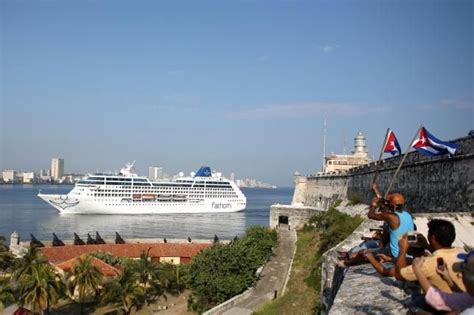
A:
441,301
399,220
441,235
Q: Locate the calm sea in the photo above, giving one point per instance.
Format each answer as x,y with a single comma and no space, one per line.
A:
22,211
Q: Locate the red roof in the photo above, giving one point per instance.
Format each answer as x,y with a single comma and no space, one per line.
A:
60,254
105,269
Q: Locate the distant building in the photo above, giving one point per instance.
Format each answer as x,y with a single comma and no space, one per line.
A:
57,168
29,177
155,172
343,162
9,176
232,177
173,253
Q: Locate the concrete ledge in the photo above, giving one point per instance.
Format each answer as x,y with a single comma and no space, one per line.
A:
360,289
135,241
365,292
221,308
291,266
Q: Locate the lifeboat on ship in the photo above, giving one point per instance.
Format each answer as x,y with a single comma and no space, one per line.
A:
179,197
164,197
148,197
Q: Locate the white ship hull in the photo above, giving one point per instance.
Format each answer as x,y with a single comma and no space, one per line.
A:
128,193
66,205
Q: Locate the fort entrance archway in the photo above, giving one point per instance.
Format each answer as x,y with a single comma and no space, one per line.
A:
282,219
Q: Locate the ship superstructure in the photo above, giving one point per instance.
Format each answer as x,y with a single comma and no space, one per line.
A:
128,193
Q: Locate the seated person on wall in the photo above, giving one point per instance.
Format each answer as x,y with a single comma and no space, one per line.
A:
377,260
399,220
377,244
448,302
441,235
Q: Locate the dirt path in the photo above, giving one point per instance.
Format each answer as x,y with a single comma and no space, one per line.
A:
272,278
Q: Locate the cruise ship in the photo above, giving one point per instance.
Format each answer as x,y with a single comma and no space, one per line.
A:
128,193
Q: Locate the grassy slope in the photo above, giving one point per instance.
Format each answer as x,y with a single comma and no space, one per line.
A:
302,294
299,298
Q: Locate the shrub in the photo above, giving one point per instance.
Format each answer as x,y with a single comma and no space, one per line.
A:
333,227
223,271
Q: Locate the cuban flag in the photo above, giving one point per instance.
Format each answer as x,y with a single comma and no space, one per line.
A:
429,145
391,144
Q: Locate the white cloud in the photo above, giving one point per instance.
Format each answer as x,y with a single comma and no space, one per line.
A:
175,72
329,48
179,98
169,108
304,110
264,58
447,104
457,104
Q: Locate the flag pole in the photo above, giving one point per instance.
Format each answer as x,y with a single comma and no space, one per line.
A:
380,156
403,160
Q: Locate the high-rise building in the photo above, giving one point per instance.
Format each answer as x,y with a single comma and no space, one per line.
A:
232,177
155,172
57,168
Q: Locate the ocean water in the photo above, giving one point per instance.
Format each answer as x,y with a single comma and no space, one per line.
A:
22,211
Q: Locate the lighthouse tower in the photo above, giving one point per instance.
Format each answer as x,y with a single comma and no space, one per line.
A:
360,148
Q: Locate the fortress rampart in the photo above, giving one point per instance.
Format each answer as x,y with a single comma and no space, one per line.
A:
437,184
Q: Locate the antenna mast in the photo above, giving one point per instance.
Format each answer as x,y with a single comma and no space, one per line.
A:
324,145
344,143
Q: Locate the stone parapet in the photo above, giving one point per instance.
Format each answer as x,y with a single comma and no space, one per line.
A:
293,216
360,289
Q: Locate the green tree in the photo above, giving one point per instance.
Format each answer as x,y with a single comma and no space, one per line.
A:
175,276
40,287
217,274
258,243
223,271
85,278
23,265
124,289
6,292
6,258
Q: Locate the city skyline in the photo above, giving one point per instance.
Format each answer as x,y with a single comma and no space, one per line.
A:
242,87
58,175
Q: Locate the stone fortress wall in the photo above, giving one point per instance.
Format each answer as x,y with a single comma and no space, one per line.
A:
437,184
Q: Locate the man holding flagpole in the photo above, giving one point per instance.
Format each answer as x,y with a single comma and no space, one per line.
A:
399,221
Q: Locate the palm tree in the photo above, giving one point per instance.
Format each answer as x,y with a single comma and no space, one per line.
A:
124,289
24,265
150,276
6,292
40,287
85,278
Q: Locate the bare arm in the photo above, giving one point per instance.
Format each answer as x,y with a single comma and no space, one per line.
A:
376,190
424,282
445,275
372,210
401,261
379,266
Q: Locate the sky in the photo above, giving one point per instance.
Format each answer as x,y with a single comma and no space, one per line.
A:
242,86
